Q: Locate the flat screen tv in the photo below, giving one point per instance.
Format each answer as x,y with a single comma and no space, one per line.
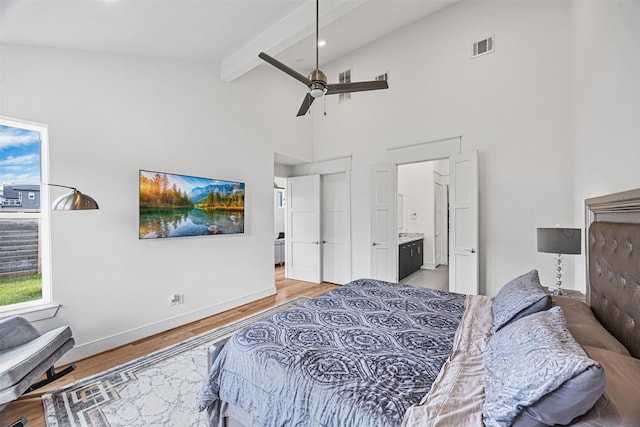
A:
174,205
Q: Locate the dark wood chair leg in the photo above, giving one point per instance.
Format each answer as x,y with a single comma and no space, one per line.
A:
52,375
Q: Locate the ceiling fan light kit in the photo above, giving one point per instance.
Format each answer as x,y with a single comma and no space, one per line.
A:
317,92
317,80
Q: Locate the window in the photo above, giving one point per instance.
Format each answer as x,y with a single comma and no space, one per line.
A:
384,77
344,77
24,216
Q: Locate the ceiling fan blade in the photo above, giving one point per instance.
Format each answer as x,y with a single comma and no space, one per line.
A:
356,87
306,104
279,65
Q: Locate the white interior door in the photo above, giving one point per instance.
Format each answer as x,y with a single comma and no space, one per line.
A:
445,224
463,211
438,226
336,230
384,247
303,229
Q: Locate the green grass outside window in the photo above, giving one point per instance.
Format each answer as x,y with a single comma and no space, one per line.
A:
20,289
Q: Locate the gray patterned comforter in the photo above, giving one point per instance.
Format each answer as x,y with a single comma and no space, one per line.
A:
359,355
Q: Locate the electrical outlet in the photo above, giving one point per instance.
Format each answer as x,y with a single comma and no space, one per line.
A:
176,299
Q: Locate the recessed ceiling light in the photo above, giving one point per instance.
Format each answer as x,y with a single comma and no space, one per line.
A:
322,43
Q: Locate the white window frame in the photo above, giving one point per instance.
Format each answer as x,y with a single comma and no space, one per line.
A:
42,308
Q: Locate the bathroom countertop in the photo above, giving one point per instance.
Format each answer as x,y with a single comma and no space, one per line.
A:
409,237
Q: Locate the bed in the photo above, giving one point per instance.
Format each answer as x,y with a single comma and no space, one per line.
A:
386,354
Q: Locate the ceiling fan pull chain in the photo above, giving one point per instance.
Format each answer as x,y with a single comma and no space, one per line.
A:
325,105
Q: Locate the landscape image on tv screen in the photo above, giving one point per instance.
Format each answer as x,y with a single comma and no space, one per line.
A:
178,205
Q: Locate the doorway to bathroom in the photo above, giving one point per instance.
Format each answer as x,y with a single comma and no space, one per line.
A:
423,223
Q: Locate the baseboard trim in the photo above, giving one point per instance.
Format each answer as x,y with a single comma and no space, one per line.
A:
92,348
428,266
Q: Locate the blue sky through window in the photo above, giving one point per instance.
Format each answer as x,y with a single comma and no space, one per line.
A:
19,156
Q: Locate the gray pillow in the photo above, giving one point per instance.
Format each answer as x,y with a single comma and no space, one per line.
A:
537,374
584,326
521,297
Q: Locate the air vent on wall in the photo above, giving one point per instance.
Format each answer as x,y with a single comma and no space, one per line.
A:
484,46
345,77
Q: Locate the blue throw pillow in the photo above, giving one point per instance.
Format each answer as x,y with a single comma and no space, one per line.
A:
537,373
521,297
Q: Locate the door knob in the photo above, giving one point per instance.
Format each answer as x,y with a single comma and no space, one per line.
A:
472,250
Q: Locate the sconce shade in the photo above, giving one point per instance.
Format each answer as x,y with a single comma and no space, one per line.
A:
560,240
74,201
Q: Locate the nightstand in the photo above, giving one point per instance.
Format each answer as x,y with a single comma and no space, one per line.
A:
571,293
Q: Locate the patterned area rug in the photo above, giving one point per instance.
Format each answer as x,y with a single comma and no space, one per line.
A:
160,389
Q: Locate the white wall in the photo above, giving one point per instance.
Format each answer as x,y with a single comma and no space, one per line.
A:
108,117
606,101
414,181
512,105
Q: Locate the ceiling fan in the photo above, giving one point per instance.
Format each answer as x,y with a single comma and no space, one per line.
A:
317,80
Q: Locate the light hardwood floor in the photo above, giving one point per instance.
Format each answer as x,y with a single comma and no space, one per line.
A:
30,405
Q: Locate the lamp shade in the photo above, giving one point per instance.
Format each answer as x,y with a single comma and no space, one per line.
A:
560,240
73,201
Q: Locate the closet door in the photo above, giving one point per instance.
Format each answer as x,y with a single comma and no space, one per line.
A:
303,229
336,230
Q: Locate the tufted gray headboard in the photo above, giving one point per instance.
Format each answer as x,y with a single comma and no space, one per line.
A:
613,270
614,279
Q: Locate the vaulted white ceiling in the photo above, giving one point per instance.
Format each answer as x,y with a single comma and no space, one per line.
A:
231,32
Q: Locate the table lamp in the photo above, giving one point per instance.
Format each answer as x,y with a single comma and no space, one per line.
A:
559,241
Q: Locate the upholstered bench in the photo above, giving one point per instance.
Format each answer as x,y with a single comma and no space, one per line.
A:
25,355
